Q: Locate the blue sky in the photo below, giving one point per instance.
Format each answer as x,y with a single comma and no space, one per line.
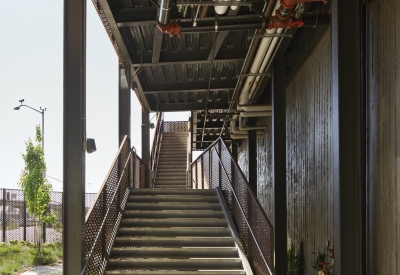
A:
31,53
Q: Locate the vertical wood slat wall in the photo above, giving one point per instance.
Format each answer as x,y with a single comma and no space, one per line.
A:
309,146
383,176
309,151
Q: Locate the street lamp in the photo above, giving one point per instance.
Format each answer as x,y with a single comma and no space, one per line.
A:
41,112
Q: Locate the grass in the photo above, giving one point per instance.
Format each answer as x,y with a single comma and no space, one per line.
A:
18,256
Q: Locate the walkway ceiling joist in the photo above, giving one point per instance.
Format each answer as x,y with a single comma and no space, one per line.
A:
194,71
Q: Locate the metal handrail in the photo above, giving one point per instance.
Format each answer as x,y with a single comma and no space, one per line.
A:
106,214
156,146
241,209
250,192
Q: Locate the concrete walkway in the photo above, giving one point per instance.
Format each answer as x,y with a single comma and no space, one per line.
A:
45,270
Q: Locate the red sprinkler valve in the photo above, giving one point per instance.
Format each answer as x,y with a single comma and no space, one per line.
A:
172,28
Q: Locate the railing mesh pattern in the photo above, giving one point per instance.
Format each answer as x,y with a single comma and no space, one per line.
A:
102,221
17,224
175,126
217,168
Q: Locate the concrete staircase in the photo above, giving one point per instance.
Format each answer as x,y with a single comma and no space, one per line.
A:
172,161
174,232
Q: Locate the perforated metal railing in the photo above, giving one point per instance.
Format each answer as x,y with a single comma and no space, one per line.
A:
156,147
216,168
175,126
102,220
17,224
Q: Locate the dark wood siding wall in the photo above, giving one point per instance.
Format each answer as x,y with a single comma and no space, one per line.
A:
384,136
309,150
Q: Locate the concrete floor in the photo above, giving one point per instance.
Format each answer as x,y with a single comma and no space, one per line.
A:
45,270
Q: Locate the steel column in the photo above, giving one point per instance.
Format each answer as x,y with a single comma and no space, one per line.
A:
24,220
146,146
124,106
279,164
346,139
252,150
235,151
4,215
74,134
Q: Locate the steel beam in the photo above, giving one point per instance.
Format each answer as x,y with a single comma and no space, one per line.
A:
152,21
346,139
279,164
187,57
183,90
194,106
119,44
179,63
74,134
191,85
252,151
218,43
158,36
124,107
146,145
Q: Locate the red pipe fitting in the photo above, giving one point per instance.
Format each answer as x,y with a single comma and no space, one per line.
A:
275,23
172,28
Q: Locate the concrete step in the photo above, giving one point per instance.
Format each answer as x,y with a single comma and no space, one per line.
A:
182,186
174,242
164,181
173,198
184,252
169,165
171,177
179,264
171,157
179,176
174,272
176,232
174,222
200,192
173,205
164,214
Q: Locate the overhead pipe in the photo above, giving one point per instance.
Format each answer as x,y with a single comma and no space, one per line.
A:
235,130
255,114
284,14
165,12
252,23
249,128
265,62
236,136
250,54
164,23
265,42
256,107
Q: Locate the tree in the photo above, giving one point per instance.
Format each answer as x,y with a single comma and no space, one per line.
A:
35,186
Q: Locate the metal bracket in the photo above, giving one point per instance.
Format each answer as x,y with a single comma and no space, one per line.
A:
261,74
269,35
214,3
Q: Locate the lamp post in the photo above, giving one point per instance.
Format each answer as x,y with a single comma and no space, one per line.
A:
41,112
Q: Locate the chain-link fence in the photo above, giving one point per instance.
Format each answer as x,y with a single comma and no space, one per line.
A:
17,224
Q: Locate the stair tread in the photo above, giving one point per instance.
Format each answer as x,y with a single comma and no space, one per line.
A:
223,231
174,272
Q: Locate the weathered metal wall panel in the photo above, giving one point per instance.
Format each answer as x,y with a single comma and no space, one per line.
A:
384,136
309,151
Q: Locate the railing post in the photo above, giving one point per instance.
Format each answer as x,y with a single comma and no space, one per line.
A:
4,214
103,233
202,173
44,227
24,215
120,169
134,171
219,166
